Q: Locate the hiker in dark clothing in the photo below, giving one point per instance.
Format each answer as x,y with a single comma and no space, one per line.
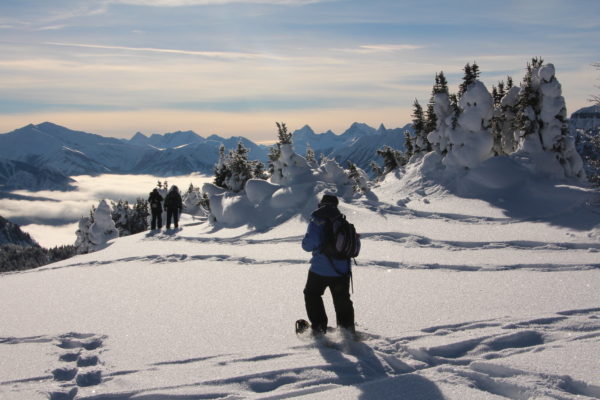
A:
173,206
155,201
326,272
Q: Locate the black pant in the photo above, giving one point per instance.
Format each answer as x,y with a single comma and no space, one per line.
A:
156,216
172,213
340,291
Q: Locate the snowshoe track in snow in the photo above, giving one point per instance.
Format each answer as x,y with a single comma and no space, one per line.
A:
412,364
80,358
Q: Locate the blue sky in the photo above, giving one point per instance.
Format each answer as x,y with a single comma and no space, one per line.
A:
115,67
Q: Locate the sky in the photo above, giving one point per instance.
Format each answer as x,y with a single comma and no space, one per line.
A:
235,67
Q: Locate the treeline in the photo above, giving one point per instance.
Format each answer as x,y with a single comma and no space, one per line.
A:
18,258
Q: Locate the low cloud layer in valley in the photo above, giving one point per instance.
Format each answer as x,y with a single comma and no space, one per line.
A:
51,217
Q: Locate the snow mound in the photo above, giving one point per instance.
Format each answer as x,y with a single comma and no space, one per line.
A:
294,189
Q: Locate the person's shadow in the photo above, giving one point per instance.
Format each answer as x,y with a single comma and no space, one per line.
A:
369,375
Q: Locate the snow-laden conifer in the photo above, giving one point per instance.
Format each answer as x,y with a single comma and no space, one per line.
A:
103,228
438,136
471,141
541,125
83,244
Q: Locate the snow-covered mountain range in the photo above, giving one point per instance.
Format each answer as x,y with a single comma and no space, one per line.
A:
53,147
61,152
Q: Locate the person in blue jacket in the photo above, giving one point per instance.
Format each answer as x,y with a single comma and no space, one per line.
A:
326,273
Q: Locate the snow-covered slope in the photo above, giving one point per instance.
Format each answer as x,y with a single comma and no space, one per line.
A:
20,175
458,297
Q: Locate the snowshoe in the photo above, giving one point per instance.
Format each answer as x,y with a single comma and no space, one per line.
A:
302,326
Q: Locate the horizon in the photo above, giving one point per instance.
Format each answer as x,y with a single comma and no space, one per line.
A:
235,67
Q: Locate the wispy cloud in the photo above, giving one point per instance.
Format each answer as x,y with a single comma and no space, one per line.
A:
379,48
209,54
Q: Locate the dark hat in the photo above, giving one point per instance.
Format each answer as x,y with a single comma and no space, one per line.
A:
329,199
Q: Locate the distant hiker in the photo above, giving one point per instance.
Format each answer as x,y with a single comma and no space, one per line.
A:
155,201
173,206
326,271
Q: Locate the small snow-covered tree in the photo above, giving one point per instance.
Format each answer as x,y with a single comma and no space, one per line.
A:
541,124
139,217
358,178
439,127
470,140
392,158
274,154
377,171
222,172
103,228
96,230
288,167
284,136
83,244
503,120
121,213
430,122
420,143
239,167
258,170
470,76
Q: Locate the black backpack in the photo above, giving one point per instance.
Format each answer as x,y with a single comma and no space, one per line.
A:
341,240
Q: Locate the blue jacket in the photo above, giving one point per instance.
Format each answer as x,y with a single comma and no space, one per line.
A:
320,264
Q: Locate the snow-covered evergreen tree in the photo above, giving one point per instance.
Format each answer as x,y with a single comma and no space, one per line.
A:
130,220
83,244
392,158
103,228
358,177
541,124
139,218
471,141
438,135
283,135
506,98
274,154
222,173
258,170
288,166
121,213
240,169
96,230
420,143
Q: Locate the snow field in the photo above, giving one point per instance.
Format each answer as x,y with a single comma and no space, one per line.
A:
197,313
